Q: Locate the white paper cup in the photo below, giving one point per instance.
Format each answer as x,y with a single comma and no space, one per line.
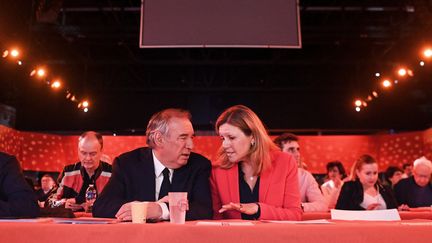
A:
178,204
139,212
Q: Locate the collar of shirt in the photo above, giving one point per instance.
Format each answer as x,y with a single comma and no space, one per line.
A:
159,167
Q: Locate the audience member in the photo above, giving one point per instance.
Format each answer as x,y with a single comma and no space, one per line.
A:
331,188
48,187
407,169
416,190
310,194
365,192
76,178
393,175
148,174
17,199
254,180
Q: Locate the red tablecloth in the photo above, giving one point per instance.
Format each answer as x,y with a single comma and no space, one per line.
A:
340,231
403,214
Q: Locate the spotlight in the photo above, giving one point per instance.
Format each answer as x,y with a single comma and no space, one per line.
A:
358,109
377,74
422,63
375,94
369,98
14,53
364,104
86,109
402,72
85,103
56,84
358,102
5,53
41,72
386,83
427,52
19,63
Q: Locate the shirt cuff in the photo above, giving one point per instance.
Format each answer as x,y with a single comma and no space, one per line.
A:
165,212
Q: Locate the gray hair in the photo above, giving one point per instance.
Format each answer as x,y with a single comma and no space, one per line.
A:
422,161
96,135
159,123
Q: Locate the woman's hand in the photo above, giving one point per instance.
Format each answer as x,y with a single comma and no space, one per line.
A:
372,206
246,208
403,207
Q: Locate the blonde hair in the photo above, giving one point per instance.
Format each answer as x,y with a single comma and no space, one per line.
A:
248,122
362,160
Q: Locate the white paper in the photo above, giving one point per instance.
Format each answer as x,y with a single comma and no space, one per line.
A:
368,215
220,223
315,221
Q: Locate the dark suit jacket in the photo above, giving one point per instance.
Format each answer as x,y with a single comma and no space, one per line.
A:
351,196
17,199
408,192
133,178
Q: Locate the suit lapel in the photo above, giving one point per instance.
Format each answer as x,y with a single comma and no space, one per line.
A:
233,183
180,178
147,185
265,180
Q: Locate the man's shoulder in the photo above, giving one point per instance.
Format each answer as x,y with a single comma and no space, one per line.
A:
403,183
134,155
5,158
72,167
198,159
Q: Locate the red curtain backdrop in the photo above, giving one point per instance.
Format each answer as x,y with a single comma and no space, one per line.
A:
48,152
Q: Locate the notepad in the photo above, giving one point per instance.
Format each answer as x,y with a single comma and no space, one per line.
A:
367,215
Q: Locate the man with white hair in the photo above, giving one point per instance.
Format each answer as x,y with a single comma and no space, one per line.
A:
416,190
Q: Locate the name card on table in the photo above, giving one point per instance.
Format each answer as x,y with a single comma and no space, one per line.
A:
367,215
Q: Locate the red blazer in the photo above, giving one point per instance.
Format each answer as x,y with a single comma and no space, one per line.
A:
279,196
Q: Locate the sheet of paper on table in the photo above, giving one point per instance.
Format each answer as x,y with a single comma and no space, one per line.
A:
367,215
36,220
315,221
223,223
85,220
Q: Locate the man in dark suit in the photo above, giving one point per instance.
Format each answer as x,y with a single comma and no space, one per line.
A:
17,199
147,174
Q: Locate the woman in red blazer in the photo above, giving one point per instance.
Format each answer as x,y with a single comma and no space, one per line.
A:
255,180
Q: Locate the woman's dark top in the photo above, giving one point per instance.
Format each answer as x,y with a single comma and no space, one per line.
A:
351,196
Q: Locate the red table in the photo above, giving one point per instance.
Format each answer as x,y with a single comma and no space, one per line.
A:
338,231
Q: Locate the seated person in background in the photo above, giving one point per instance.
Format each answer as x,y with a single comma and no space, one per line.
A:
76,178
331,188
255,180
364,192
393,175
17,199
48,187
407,170
416,190
148,174
310,194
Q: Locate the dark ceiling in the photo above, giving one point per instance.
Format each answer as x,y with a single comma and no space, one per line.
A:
93,45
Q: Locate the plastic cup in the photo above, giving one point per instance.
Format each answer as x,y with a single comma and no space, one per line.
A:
178,204
139,212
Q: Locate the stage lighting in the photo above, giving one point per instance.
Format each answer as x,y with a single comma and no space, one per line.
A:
402,72
427,53
422,63
358,109
386,83
358,102
56,84
377,74
375,94
14,53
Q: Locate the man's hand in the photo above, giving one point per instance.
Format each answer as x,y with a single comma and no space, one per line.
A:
71,203
154,211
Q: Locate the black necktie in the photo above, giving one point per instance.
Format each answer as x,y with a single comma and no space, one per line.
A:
166,184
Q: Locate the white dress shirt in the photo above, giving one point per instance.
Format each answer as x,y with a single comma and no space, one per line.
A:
159,167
